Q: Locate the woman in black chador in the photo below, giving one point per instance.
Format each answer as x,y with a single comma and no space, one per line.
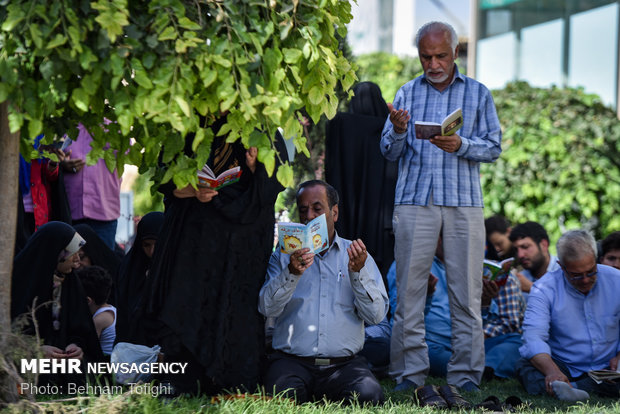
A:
132,278
364,179
44,270
208,267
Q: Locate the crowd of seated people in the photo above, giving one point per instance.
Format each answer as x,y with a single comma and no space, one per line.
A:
76,273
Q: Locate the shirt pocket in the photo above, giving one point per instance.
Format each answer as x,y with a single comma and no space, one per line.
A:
610,326
344,292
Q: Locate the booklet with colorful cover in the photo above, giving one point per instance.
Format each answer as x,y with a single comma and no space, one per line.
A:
449,125
497,271
206,177
295,236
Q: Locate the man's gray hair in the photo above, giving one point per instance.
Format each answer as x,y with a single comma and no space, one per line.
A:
437,26
574,245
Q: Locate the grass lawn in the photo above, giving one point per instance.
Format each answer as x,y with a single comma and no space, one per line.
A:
401,402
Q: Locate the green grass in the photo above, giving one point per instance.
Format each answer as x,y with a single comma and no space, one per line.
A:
401,402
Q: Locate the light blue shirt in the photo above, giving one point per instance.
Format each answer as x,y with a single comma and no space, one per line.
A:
582,331
452,178
322,312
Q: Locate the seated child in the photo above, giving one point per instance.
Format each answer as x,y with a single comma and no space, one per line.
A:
97,284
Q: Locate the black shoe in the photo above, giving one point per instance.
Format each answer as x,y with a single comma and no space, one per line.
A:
491,403
452,397
429,396
513,403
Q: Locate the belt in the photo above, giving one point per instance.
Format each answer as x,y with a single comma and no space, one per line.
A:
318,360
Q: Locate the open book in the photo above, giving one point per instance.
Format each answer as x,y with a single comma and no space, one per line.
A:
206,177
449,125
600,375
295,236
497,271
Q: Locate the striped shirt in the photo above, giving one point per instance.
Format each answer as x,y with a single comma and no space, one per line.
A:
453,179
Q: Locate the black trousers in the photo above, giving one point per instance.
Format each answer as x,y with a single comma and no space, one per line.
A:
377,352
295,378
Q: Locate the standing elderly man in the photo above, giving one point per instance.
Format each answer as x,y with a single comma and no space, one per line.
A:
438,191
320,303
572,324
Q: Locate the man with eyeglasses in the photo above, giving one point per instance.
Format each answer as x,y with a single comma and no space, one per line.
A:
572,324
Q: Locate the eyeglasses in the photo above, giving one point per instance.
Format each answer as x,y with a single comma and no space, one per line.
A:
575,277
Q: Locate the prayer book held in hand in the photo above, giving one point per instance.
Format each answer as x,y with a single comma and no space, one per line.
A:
497,271
207,179
295,236
450,124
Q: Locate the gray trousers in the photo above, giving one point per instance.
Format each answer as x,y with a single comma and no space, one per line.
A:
416,230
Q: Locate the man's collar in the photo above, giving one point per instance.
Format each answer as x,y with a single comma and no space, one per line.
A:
338,241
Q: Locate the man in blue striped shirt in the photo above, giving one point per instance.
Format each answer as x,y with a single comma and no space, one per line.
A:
438,190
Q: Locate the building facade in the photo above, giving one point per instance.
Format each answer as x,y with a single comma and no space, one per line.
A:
547,42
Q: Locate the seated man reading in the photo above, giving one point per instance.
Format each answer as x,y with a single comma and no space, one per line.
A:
320,303
572,324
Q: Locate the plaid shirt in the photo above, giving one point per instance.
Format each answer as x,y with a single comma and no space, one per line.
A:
505,314
453,178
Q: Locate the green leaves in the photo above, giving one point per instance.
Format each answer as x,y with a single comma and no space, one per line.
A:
291,56
58,40
80,99
162,69
15,14
560,163
285,175
113,16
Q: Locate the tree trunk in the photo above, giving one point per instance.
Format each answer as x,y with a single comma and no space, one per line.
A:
9,172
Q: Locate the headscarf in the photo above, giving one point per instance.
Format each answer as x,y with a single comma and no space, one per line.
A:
149,226
368,101
34,266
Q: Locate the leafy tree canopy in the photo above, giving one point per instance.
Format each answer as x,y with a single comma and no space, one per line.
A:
161,69
560,164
